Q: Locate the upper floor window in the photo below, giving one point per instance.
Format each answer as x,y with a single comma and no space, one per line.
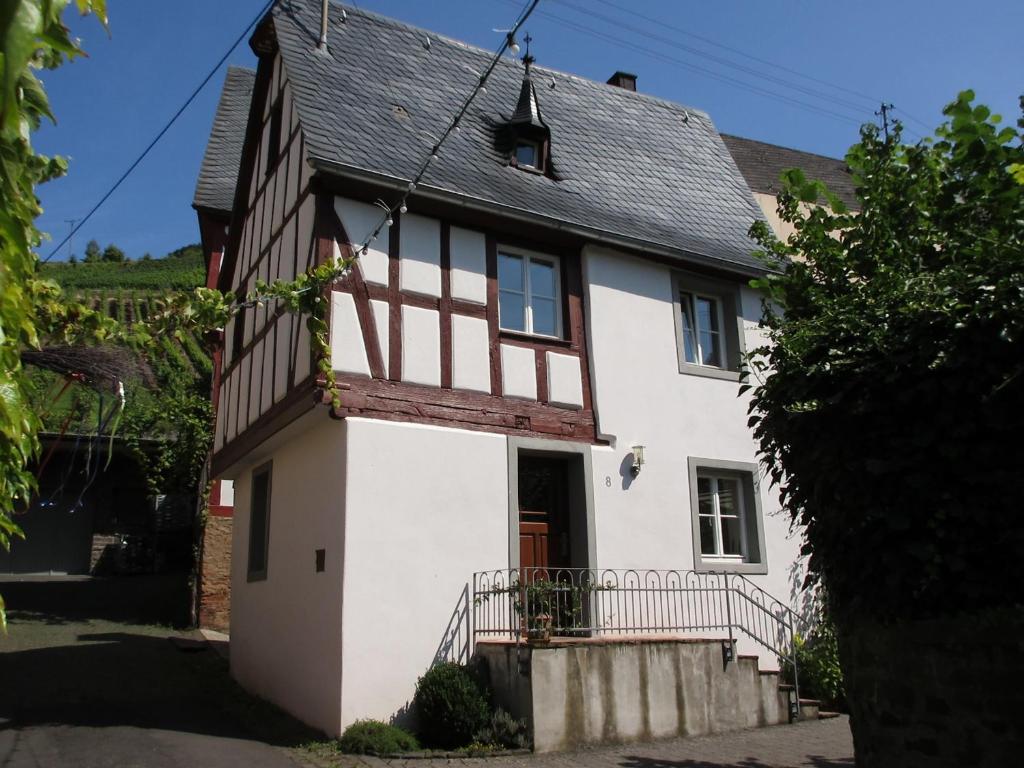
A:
702,329
529,293
709,332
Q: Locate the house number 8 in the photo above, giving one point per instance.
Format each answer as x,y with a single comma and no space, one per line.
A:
608,480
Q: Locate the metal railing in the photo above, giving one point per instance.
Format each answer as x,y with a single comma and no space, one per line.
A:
521,603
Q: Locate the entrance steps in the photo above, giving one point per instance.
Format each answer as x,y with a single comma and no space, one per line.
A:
578,691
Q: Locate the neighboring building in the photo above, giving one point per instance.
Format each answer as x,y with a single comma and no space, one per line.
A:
566,295
762,165
213,201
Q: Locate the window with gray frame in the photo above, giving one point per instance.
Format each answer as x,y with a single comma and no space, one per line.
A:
725,507
709,326
259,523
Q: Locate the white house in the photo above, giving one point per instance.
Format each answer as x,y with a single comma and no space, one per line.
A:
566,295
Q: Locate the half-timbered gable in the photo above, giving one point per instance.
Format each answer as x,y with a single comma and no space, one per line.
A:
267,358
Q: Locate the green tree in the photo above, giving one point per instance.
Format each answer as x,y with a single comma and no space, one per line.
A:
92,252
31,36
114,254
890,402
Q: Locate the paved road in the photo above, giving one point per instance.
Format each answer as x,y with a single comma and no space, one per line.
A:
101,691
82,685
821,744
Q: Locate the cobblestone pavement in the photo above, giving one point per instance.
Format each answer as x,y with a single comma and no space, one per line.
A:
818,744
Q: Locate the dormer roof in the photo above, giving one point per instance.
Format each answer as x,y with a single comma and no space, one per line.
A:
527,109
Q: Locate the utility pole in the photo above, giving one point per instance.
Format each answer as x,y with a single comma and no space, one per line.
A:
71,231
884,114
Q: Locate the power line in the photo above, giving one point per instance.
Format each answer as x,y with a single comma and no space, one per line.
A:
676,61
679,30
167,126
813,92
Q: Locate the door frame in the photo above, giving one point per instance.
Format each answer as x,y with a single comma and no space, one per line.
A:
580,491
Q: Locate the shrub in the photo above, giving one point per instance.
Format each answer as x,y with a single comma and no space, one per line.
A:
372,737
451,704
817,658
505,731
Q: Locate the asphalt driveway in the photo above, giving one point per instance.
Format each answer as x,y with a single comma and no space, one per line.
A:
83,683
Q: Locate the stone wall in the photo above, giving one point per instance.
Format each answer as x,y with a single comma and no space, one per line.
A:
943,693
215,574
598,691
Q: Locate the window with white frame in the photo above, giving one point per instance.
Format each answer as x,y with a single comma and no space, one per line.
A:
728,530
720,516
529,293
703,341
709,330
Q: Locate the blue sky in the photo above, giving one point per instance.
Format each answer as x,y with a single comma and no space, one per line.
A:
914,53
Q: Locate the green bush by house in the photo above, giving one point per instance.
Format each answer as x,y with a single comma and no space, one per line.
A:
372,737
451,705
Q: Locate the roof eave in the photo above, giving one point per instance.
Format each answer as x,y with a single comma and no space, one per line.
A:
604,237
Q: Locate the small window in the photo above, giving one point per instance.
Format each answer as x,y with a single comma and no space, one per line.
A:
728,532
702,330
709,330
259,523
528,154
529,294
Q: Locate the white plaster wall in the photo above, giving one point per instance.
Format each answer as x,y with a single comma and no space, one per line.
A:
420,249
468,250
348,352
565,380
426,507
421,346
359,220
518,372
641,398
286,630
471,358
381,319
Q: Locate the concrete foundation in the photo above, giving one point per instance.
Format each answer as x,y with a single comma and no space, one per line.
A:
596,691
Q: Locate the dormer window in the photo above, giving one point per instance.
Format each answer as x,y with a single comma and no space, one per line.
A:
526,137
528,154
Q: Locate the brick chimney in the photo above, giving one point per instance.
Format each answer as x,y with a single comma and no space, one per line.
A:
623,80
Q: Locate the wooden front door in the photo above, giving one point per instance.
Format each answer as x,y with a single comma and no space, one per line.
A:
543,513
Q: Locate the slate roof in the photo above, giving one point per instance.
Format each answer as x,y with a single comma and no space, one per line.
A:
626,164
762,165
218,175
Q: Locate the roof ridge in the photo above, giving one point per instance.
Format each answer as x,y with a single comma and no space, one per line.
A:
537,68
782,146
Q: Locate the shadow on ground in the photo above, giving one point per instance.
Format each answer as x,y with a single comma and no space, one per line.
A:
634,761
83,666
132,678
142,599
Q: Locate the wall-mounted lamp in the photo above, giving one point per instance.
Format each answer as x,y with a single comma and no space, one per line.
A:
638,459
